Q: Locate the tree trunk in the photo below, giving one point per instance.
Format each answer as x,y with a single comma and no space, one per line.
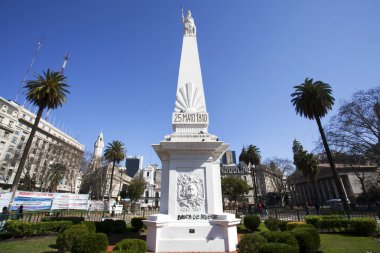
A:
253,175
25,155
338,182
110,191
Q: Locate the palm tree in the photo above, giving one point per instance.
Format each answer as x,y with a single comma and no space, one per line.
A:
48,90
115,153
313,100
251,157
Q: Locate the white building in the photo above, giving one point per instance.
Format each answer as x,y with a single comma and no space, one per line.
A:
50,145
152,193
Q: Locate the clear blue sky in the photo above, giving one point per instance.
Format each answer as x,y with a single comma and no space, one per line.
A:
125,57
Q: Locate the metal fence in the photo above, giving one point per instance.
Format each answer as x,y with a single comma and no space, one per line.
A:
279,213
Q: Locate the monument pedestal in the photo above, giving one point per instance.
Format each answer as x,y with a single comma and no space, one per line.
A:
217,235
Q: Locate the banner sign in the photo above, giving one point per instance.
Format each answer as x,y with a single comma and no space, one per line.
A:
32,201
5,198
70,201
96,205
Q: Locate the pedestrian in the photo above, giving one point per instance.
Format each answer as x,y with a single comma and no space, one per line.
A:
113,210
318,208
19,212
89,212
307,208
5,214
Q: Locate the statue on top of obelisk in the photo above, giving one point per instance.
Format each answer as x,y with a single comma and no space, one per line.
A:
189,26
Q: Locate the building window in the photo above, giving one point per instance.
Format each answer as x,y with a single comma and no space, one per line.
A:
7,156
147,174
14,139
1,119
11,123
6,135
4,108
11,149
17,132
2,144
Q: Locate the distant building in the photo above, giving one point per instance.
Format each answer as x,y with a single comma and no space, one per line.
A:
152,192
98,152
133,165
120,180
264,176
301,191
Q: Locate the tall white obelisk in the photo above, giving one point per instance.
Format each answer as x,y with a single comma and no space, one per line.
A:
191,214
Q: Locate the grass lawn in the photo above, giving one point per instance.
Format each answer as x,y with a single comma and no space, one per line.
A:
337,243
30,245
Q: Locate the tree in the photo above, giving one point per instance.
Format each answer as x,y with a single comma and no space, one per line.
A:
313,100
280,170
27,183
136,189
115,153
46,91
308,164
234,188
55,174
251,157
355,130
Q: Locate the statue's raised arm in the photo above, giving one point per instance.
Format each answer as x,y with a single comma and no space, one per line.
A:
189,26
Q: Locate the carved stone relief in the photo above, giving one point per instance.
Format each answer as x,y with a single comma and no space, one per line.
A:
191,191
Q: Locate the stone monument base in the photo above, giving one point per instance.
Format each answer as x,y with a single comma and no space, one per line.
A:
216,235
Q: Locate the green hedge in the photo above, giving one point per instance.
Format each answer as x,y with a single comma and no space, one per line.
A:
274,247
74,220
251,243
22,228
131,246
252,222
337,223
281,237
90,225
120,227
282,225
107,226
79,239
137,223
305,240
272,224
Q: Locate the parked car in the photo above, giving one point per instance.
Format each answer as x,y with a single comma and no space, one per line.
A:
336,204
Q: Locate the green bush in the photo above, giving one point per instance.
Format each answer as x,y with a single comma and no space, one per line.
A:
362,226
252,222
282,225
68,238
281,237
272,224
120,226
314,233
251,243
137,223
333,224
74,220
292,225
90,243
107,226
131,246
90,225
274,247
305,240
313,219
22,228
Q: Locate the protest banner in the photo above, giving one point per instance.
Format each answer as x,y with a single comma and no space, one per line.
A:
32,201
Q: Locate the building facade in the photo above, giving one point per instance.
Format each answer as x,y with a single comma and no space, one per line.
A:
133,164
50,146
301,191
152,192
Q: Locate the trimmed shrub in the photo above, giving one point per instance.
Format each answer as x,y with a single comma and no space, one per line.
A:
137,223
74,220
282,225
362,226
281,237
68,238
305,240
313,220
120,227
22,228
297,224
107,226
90,225
272,224
90,243
333,224
314,233
274,247
131,246
251,243
252,222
